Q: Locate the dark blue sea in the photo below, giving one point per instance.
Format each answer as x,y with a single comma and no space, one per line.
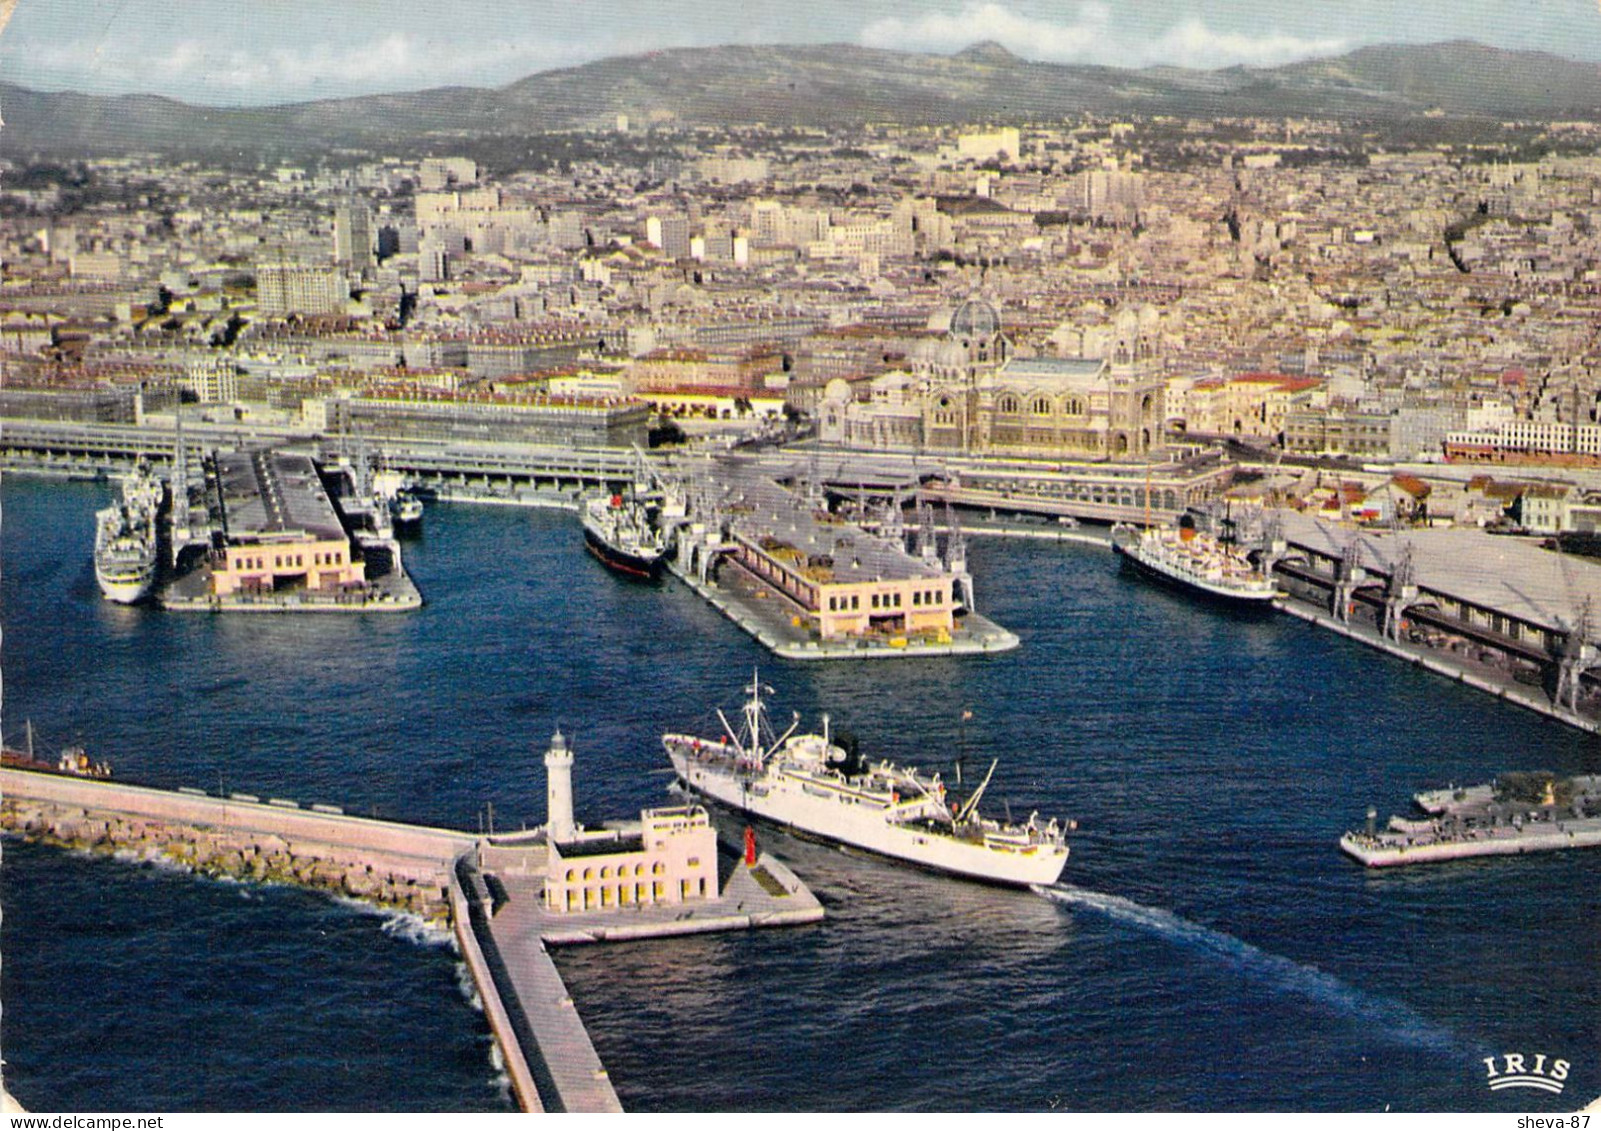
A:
1209,947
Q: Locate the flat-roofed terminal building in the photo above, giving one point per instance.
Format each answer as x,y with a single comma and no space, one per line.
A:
846,580
280,529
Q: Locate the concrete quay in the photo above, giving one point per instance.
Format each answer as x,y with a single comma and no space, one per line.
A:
490,894
403,867
1430,659
770,621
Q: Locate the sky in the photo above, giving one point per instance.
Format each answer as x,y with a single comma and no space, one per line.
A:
265,51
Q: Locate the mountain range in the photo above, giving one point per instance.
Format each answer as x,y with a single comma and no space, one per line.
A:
827,85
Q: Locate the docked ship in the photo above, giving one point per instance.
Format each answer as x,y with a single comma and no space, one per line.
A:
74,761
818,788
405,510
1195,560
125,540
621,533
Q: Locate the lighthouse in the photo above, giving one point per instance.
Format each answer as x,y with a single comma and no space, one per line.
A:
559,827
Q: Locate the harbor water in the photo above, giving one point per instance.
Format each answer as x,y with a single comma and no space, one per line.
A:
1208,947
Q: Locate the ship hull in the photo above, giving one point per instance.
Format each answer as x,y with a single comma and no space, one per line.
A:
124,590
1160,571
830,821
640,567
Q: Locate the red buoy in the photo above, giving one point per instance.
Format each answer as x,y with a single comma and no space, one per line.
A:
750,847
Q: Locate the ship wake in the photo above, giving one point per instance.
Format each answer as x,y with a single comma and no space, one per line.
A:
1278,973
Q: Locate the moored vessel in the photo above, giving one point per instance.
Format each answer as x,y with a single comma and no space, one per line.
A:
125,554
821,789
1515,814
1194,560
620,533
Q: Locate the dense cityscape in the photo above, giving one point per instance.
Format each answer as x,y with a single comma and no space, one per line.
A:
1343,367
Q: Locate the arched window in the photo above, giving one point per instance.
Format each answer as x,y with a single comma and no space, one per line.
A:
1041,406
1073,407
1007,403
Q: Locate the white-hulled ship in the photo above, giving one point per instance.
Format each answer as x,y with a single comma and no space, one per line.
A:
818,788
1195,560
125,540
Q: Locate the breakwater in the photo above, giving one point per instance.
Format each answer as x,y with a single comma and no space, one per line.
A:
405,868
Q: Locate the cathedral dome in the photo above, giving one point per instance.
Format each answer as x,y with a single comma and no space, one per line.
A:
975,318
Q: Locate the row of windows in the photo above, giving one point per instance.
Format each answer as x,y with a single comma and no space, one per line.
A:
656,869
625,895
290,561
920,597
1039,406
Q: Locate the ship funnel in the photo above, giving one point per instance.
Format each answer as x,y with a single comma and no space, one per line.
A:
1373,820
559,827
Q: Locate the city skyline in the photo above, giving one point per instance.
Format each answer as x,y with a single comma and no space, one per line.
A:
209,53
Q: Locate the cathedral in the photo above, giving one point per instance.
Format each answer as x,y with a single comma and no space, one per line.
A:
968,395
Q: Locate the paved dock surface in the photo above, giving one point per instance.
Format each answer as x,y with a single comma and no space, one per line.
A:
770,619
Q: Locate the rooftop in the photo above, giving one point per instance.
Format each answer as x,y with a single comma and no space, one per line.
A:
1512,575
271,493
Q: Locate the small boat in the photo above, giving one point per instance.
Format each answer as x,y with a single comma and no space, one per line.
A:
405,509
821,789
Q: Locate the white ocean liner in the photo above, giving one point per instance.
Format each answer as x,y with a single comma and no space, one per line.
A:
810,784
125,540
1195,560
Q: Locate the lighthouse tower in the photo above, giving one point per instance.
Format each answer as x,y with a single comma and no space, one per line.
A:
559,827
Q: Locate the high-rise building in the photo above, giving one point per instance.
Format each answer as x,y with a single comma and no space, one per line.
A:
297,288
353,236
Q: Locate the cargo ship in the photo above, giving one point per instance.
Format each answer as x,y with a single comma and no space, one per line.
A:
824,791
621,534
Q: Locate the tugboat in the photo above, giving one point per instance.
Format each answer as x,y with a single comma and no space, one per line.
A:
820,789
405,510
125,540
621,534
74,761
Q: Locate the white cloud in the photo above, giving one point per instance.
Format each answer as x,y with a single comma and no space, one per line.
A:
1030,38
1192,44
1090,35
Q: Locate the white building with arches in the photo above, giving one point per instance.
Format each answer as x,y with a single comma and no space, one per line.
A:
969,394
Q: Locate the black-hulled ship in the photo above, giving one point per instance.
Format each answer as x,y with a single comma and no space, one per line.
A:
621,533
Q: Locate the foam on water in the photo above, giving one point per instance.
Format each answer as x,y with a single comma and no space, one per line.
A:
403,926
468,988
1277,972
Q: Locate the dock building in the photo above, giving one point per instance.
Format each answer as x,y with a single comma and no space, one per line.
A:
668,856
1499,601
493,418
840,578
280,529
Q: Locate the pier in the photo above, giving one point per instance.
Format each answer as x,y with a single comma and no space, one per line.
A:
1495,613
1519,813
489,891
